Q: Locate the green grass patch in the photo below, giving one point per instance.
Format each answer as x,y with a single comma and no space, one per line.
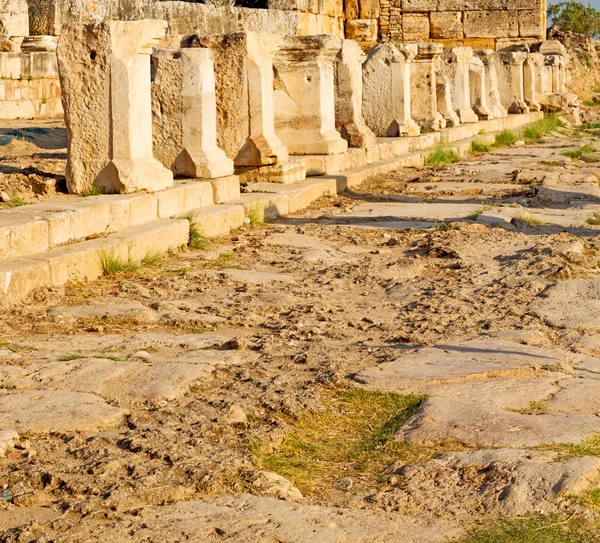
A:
441,156
16,201
197,239
256,214
594,219
352,436
479,211
445,227
591,103
531,221
538,529
576,153
92,191
541,127
479,147
113,263
590,126
505,138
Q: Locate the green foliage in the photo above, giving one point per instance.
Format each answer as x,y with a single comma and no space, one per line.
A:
590,126
506,137
531,221
92,191
541,127
479,211
16,201
594,219
576,153
113,263
196,239
441,156
256,214
576,17
479,147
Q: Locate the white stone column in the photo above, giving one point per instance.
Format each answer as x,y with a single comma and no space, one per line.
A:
554,55
492,93
348,97
512,65
386,91
478,91
461,56
200,157
423,93
532,74
304,95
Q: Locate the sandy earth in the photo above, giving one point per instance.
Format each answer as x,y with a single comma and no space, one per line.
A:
134,398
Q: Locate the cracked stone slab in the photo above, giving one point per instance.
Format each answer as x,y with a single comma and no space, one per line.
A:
252,519
579,396
119,309
558,309
50,411
501,482
479,358
124,381
480,425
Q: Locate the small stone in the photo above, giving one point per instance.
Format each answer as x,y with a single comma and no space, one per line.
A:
344,483
144,355
236,415
392,242
276,486
518,143
8,440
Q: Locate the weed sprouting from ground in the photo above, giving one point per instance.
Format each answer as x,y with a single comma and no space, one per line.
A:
441,156
479,211
576,153
196,239
256,214
113,263
590,126
594,219
541,127
152,259
351,436
531,221
16,201
92,191
504,138
70,357
479,147
445,227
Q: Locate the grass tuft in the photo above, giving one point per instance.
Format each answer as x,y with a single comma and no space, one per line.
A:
479,147
112,263
16,201
92,191
576,153
504,138
479,211
541,127
441,156
352,436
445,227
197,239
531,221
256,214
594,219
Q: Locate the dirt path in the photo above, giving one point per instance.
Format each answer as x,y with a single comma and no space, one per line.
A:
378,368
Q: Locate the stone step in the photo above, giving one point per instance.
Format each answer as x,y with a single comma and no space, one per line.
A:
36,228
219,220
82,261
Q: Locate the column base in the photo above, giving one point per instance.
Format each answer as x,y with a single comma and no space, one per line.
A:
211,166
290,172
126,176
467,116
518,106
358,136
313,142
261,151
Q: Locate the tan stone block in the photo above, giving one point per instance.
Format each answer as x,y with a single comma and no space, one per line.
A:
531,24
415,27
471,5
28,237
154,238
446,24
351,9
220,220
532,5
362,30
225,189
142,208
418,6
19,277
182,198
369,9
491,24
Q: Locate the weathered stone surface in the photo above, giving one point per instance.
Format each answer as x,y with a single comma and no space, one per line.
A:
276,485
492,100
105,80
349,119
122,309
304,95
556,306
49,411
361,30
510,78
244,93
479,425
386,93
504,482
580,396
252,519
446,24
423,91
8,438
491,24
415,27
14,18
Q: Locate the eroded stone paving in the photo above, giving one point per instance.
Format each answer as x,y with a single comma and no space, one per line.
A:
133,405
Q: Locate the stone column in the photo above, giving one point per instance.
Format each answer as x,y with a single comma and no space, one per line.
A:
200,157
105,79
445,103
532,80
494,104
512,67
424,88
244,91
554,54
460,57
348,97
386,91
304,95
14,18
478,91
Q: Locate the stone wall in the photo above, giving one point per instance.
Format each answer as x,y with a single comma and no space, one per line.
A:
484,24
48,16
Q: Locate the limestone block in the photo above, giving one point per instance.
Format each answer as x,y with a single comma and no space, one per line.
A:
423,91
418,6
14,18
445,103
105,79
477,89
362,30
415,26
471,5
532,24
492,93
446,25
369,9
457,59
491,24
536,5
351,9
244,95
304,95
386,100
511,73
532,80
348,97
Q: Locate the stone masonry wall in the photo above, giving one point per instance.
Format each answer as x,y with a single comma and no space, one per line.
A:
477,23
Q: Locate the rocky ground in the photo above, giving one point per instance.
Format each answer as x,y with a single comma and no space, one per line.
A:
412,361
